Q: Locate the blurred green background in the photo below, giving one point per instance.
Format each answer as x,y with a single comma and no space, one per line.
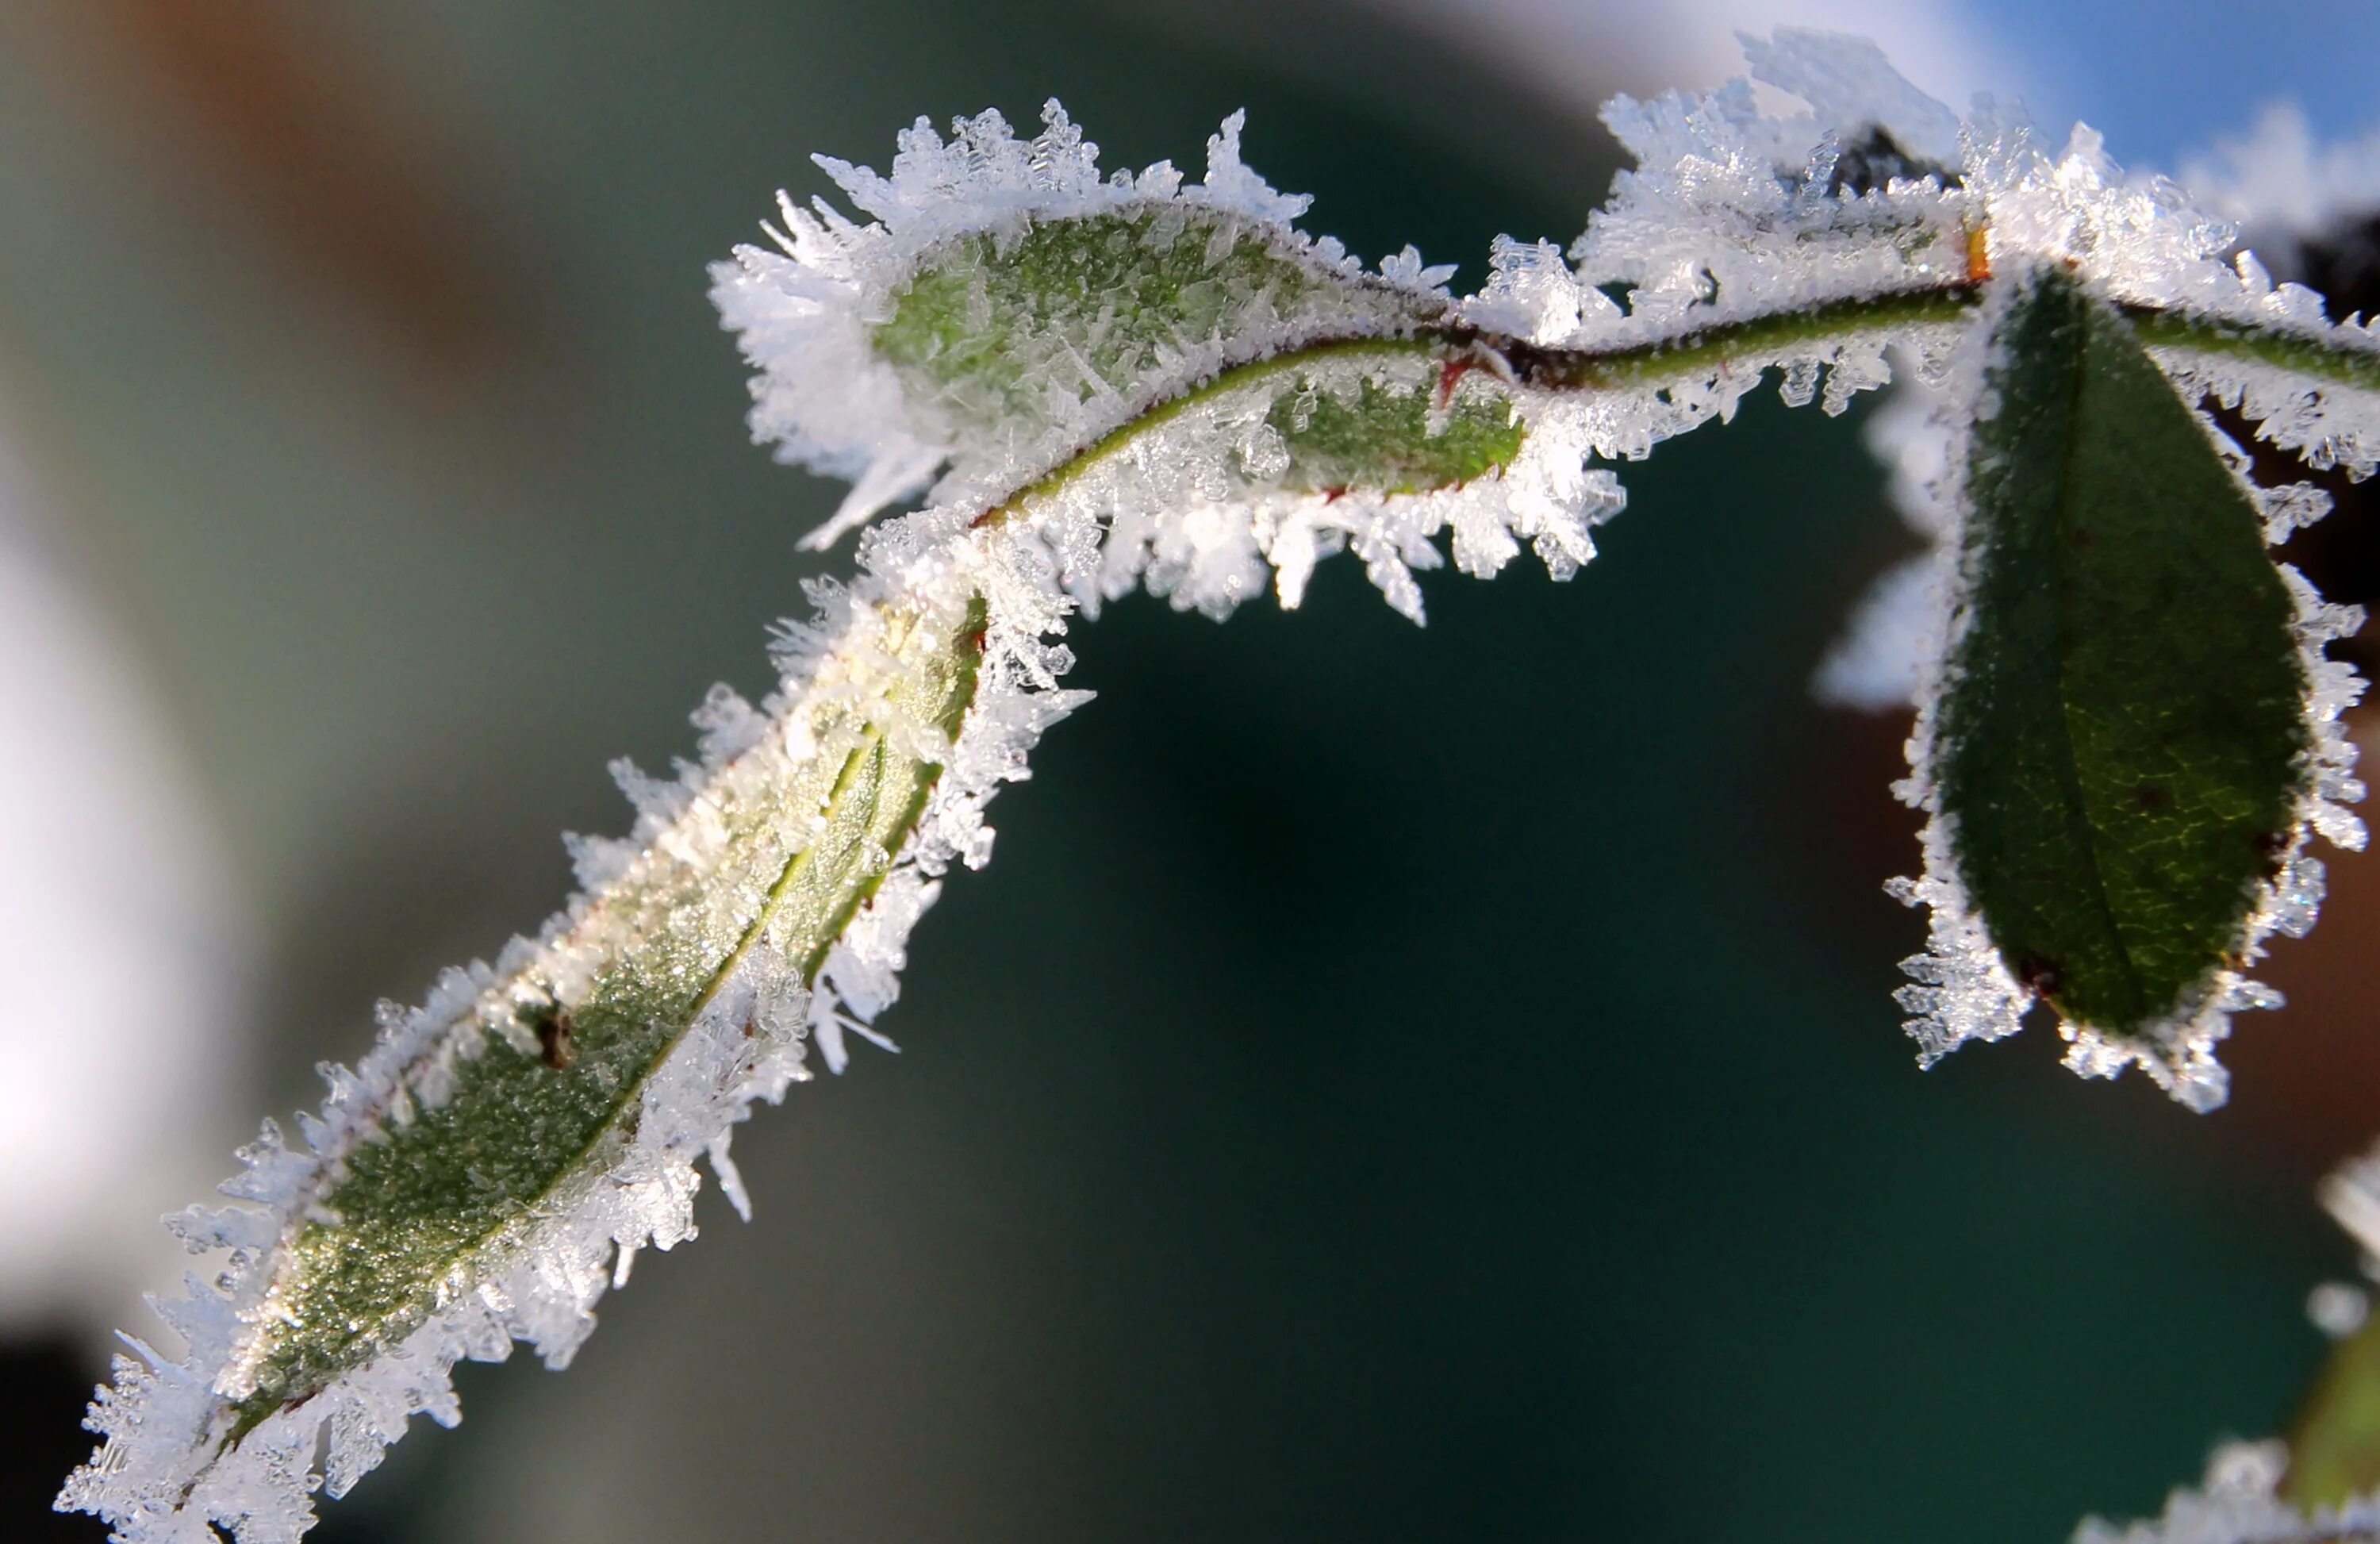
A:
1392,1084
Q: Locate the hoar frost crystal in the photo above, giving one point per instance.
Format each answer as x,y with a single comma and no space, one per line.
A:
1097,383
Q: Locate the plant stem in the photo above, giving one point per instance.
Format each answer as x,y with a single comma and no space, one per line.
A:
2298,353
1691,352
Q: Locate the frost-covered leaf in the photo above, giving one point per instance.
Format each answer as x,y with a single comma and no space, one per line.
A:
2119,757
2335,1446
1376,446
799,837
1009,305
2122,737
472,1181
1008,334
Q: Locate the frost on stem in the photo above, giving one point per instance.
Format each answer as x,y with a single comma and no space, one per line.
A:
1187,391
1094,382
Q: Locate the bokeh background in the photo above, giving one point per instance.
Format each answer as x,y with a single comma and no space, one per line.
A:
1393,1084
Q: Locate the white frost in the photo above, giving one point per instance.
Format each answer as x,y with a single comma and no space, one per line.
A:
2282,188
827,398
2144,239
2239,1504
2338,1309
1733,212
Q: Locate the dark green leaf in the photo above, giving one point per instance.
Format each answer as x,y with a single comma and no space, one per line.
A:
2121,743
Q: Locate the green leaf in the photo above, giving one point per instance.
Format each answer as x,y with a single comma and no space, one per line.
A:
1385,439
2335,1452
808,830
996,330
2121,743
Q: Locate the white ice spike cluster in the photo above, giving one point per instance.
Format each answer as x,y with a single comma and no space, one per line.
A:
1093,383
1732,212
2239,1502
811,308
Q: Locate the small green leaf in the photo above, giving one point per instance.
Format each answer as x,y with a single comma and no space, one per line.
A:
2122,741
991,324
1384,439
2335,1452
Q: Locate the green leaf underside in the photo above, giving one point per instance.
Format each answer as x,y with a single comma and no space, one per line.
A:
2335,1452
2122,738
1383,441
992,321
806,846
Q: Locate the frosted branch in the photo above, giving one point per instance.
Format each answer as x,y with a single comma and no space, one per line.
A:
1097,383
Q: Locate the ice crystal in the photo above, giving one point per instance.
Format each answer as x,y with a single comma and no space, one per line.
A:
2239,1504
2338,1309
2282,188
1877,663
1731,212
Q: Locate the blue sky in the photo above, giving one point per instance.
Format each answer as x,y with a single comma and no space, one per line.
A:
2163,78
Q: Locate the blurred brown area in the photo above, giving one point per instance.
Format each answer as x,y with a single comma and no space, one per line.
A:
293,120
2308,1076
2310,1081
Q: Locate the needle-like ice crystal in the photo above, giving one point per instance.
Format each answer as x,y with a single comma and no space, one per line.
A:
2239,1504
